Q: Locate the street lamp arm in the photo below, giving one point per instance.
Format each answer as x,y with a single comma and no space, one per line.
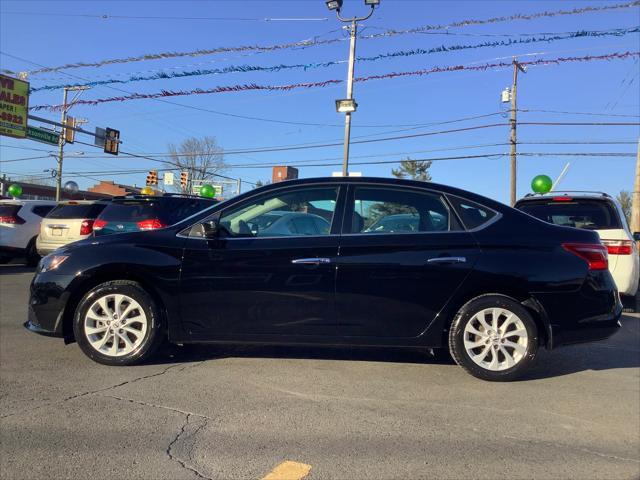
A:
354,19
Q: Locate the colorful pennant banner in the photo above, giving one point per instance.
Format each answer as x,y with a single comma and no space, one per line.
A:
326,83
308,66
315,42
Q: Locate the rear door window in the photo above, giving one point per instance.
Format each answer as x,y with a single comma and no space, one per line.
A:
42,210
577,213
7,210
382,210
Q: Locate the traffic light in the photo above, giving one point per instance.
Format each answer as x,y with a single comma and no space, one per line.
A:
152,178
184,179
69,134
112,141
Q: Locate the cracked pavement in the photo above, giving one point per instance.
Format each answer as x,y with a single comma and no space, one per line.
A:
237,412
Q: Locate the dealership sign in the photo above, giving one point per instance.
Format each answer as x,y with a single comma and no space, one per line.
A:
14,106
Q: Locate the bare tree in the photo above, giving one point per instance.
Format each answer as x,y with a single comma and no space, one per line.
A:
624,198
201,158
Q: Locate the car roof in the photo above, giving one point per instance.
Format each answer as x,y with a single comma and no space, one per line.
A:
18,201
400,182
583,195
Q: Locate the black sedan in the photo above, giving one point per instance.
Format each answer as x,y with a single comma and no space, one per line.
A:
489,283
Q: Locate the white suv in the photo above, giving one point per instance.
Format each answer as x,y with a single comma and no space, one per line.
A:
599,212
19,228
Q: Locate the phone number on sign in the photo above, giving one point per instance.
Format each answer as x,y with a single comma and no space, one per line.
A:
11,118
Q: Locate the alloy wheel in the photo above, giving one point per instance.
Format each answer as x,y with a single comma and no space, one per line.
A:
496,339
115,325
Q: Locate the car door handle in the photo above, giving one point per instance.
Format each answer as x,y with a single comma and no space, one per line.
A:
447,260
310,261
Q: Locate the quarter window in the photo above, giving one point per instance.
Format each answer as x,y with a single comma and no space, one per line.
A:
384,211
472,214
283,214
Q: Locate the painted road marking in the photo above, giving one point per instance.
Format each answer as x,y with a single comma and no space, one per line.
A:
289,471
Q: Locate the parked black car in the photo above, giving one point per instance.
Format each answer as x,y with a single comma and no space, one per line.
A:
147,212
492,287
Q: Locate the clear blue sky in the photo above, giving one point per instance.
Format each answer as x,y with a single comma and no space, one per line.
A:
147,125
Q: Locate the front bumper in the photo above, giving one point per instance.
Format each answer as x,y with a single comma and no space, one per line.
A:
47,302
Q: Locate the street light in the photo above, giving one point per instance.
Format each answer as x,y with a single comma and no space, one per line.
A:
348,105
334,4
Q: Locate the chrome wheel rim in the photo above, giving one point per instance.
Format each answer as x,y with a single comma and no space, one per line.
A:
115,325
496,339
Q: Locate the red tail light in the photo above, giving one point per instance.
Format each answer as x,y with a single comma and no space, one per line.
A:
618,247
13,219
99,224
595,254
150,224
86,227
562,199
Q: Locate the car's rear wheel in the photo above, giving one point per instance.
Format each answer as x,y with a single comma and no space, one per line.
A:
494,338
118,323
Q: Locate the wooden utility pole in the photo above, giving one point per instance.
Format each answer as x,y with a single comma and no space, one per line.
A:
514,122
635,196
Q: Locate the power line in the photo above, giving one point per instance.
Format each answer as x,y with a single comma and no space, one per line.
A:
159,17
578,113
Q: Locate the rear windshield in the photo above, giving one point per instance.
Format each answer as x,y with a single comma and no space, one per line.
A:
133,211
76,211
588,214
167,210
8,210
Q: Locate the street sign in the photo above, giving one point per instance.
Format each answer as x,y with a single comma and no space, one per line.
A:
43,135
14,107
168,178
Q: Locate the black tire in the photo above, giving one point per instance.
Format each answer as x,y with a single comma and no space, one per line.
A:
31,254
463,358
151,340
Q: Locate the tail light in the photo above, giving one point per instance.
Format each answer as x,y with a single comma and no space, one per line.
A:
618,247
12,219
595,254
562,199
150,224
86,227
99,224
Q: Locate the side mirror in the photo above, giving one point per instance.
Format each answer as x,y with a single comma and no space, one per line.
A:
636,236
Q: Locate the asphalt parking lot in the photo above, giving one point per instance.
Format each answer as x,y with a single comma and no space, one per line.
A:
341,413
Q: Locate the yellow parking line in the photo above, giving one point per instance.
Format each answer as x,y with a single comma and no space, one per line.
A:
289,471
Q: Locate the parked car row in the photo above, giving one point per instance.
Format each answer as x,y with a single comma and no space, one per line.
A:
35,228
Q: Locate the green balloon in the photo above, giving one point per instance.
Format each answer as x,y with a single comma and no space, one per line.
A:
207,191
541,184
15,190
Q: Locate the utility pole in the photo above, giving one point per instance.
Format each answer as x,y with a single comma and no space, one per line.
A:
348,104
61,141
635,196
239,186
353,30
514,122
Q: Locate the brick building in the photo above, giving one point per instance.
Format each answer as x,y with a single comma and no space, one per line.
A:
110,188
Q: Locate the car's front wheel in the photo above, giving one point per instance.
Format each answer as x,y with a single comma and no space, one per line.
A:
118,323
494,338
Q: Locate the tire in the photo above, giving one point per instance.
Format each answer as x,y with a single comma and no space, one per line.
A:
98,321
498,356
31,254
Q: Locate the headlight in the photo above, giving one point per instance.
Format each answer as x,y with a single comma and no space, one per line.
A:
51,262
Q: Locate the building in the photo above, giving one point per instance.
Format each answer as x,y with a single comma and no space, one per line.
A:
110,188
33,191
283,173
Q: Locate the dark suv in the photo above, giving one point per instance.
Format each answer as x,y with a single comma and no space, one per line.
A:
147,212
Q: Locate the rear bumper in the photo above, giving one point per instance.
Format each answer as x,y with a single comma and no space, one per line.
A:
591,329
45,247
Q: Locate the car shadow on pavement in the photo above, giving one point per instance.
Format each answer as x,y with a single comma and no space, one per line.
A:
563,361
